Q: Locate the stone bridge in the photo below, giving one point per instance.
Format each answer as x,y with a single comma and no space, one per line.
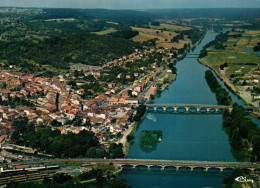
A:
149,163
192,107
191,165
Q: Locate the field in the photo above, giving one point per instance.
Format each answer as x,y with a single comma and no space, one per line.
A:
170,27
110,30
163,33
234,55
241,65
61,19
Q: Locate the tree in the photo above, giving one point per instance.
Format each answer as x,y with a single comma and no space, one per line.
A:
236,140
116,150
130,137
3,85
61,178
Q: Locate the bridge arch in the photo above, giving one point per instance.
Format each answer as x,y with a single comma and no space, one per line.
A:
127,166
159,109
192,109
199,169
181,109
214,169
169,109
169,167
156,167
212,110
150,108
203,110
141,167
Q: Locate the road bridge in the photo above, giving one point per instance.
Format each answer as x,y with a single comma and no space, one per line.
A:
193,107
148,163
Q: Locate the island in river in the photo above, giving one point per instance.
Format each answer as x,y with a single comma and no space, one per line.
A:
149,139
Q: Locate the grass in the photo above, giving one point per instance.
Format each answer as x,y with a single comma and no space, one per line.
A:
171,77
170,27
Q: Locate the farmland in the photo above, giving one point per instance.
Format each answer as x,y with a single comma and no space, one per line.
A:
242,68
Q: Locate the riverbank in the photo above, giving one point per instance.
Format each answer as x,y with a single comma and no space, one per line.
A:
185,136
133,126
237,68
242,95
167,79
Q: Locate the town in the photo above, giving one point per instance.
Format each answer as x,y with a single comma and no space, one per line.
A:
53,102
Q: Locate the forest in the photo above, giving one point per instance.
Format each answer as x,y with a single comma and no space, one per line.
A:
42,42
47,41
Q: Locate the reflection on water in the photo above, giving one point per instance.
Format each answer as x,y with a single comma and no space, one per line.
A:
152,117
156,178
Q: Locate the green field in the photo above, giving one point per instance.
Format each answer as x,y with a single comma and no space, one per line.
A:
163,37
240,65
234,55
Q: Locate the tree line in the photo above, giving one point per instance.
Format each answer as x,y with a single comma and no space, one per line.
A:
222,95
217,43
139,113
193,34
257,47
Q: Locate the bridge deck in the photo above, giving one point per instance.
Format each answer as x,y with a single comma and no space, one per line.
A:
210,164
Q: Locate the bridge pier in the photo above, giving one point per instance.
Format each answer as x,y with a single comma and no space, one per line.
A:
134,166
149,167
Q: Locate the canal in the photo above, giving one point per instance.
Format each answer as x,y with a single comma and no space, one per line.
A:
184,136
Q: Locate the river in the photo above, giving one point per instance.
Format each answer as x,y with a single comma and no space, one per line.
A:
184,136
